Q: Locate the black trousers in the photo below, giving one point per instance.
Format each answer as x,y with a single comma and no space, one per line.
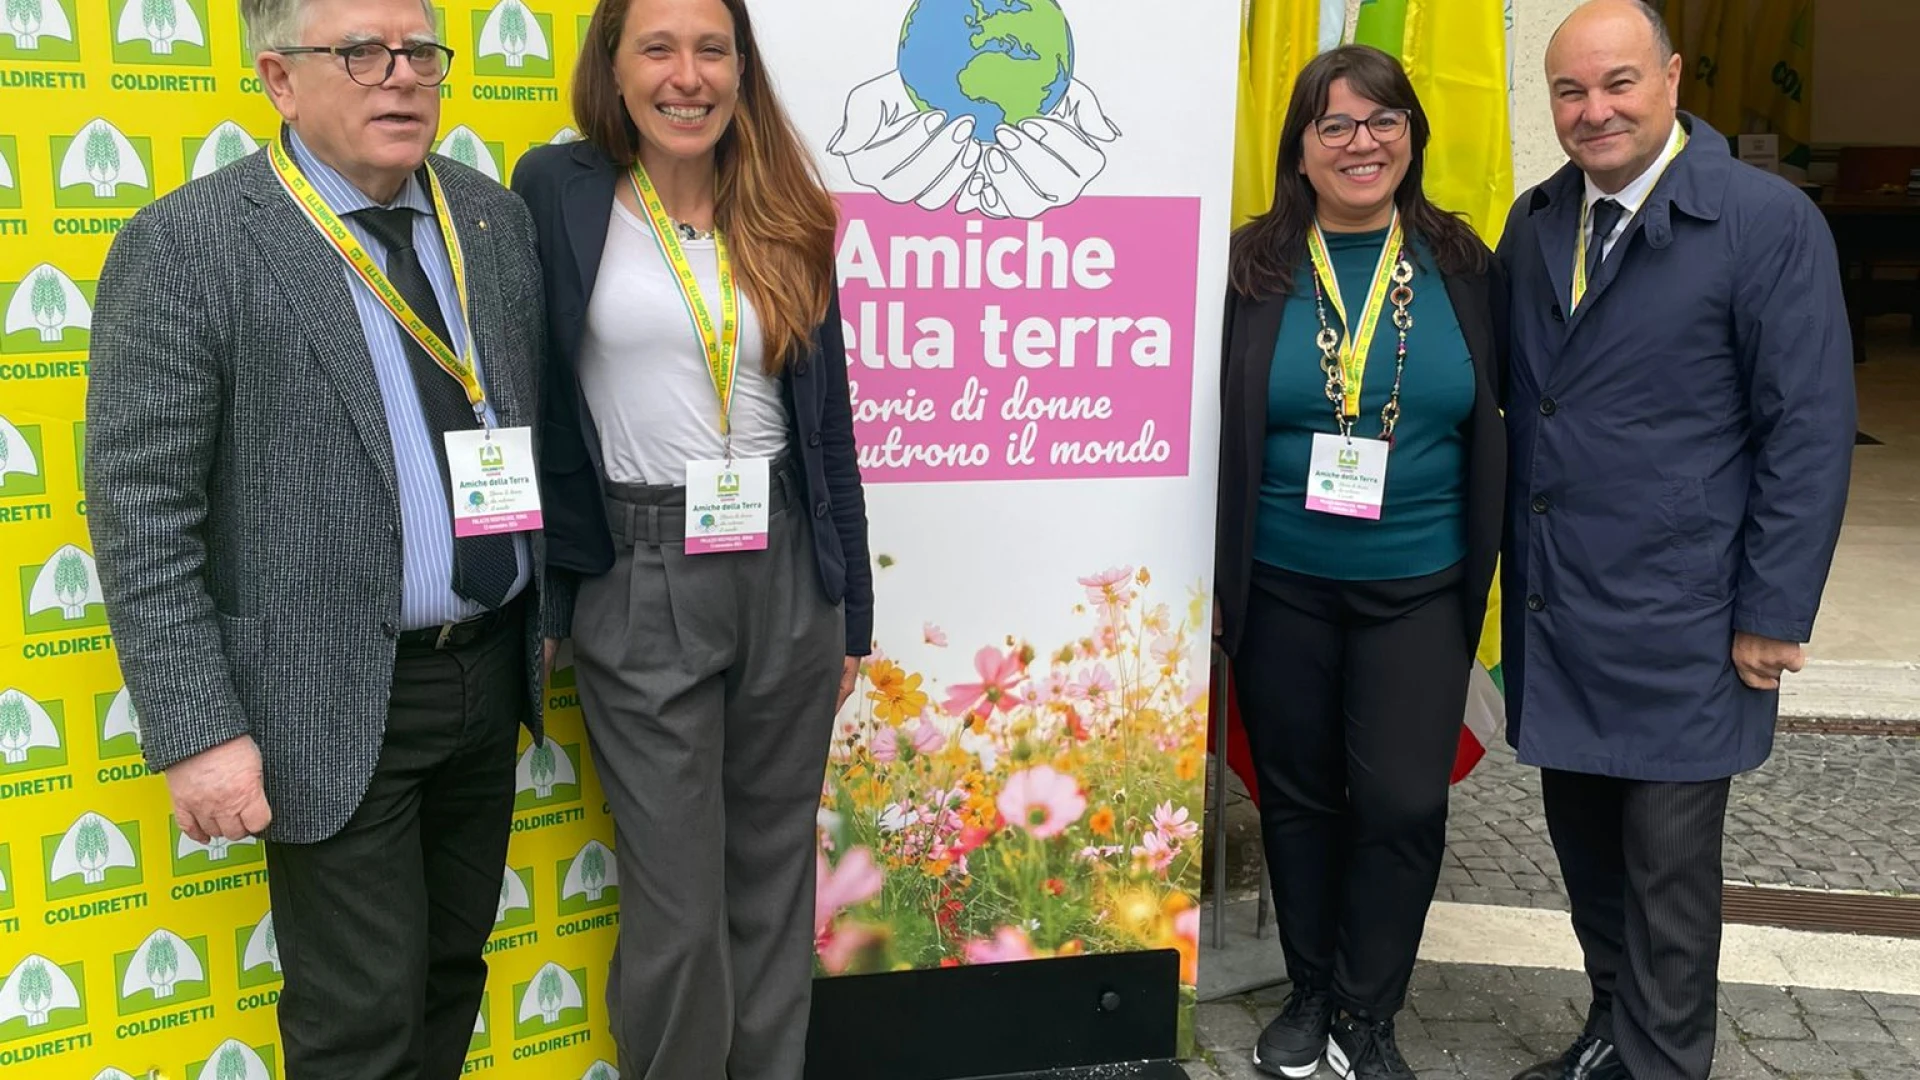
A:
1642,866
1353,694
380,927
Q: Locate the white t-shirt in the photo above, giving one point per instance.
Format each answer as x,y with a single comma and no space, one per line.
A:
644,372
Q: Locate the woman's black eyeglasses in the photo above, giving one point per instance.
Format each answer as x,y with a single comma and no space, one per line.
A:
371,63
1387,125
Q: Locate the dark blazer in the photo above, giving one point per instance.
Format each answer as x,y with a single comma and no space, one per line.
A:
242,491
1251,328
569,189
1683,442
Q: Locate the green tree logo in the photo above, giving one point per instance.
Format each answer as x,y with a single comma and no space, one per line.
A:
593,870
230,1064
230,147
91,850
16,727
72,583
163,966
30,20
160,22
464,150
552,991
49,303
542,767
513,33
36,991
102,160
601,1071
273,947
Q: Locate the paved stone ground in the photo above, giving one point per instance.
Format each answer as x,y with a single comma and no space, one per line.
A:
1826,812
1469,1022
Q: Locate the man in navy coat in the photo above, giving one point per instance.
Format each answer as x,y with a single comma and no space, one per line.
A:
1680,412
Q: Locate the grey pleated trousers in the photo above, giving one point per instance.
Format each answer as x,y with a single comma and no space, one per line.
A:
708,684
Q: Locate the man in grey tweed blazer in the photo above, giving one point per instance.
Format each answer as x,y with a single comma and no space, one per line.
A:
315,656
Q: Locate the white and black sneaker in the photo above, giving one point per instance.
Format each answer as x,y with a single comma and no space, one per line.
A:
1291,1046
1359,1050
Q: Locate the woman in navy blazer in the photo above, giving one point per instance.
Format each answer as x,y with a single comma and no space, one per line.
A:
709,681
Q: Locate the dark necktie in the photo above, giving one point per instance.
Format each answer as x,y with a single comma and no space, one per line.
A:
1606,217
484,567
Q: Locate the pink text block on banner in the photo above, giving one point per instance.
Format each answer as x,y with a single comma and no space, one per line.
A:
1057,348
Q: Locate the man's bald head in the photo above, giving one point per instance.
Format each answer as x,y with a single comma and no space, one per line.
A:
1615,85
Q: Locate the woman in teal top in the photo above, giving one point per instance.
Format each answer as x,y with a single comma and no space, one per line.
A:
1361,477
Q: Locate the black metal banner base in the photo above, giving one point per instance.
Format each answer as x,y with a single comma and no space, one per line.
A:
1105,1017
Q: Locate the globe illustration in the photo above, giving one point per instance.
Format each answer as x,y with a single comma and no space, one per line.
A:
998,61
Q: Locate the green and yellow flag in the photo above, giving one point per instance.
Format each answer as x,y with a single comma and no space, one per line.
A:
1780,74
1276,41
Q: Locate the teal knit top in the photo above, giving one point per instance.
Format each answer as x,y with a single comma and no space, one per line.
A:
1422,525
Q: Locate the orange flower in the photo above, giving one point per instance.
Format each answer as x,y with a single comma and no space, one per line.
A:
1188,767
896,695
1102,822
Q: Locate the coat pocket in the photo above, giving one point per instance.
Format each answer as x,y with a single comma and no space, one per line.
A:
1683,505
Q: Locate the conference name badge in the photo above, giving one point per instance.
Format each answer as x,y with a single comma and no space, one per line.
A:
493,483
1347,477
727,505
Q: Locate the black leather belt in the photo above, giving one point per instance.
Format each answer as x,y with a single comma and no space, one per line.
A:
455,635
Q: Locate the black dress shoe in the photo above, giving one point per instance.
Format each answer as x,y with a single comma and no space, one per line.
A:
1589,1058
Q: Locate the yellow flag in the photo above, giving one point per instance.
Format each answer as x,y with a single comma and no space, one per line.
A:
1458,64
1279,38
1720,89
1780,73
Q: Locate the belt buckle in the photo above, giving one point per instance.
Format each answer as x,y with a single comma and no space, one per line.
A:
446,631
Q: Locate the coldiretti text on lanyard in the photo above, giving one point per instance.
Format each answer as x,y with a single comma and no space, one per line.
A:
1586,225
1348,476
492,482
727,500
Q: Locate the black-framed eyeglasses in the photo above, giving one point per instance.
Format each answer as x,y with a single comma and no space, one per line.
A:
371,63
1387,125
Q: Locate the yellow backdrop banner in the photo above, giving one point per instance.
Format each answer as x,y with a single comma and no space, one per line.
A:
126,949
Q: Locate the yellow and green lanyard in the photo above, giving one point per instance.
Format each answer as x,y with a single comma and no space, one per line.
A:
1354,346
1586,225
721,344
457,364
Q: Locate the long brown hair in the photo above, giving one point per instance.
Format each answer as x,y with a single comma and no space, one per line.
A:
771,203
1266,250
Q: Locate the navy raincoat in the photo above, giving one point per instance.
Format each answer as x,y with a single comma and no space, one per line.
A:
1680,449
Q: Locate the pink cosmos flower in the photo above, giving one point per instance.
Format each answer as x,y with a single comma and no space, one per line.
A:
1000,675
836,888
884,746
1042,801
1094,684
1168,652
927,738
1108,589
840,946
934,636
1009,944
1174,825
1156,851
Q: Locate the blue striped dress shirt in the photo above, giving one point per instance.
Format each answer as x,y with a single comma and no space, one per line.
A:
426,518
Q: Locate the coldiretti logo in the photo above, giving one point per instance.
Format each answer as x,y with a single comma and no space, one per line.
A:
39,30
62,593
161,32
33,736
118,723
516,901
93,855
192,857
235,1060
20,453
47,311
511,39
600,1070
41,997
9,173
588,880
547,774
259,953
225,144
465,146
6,877
99,168
551,1000
166,971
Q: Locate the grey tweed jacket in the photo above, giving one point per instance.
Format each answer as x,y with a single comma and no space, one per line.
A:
240,477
